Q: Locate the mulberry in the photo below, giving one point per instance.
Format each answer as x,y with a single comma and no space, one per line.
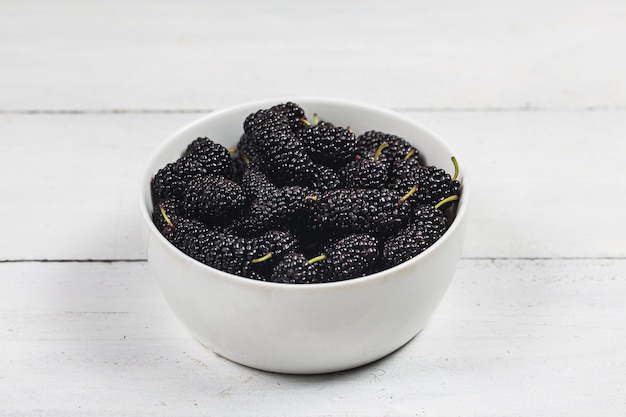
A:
255,184
214,157
190,236
165,213
279,207
328,145
173,179
292,113
296,269
285,161
232,254
433,184
429,225
277,242
377,211
212,199
265,124
324,178
247,150
353,256
397,150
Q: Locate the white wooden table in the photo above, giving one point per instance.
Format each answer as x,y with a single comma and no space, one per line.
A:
532,94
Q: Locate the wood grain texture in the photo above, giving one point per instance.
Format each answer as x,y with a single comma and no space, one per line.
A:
532,95
511,337
196,54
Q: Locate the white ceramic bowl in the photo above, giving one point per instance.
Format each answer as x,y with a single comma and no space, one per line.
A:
314,328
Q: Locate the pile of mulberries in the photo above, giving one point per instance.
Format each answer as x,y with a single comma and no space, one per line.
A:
302,201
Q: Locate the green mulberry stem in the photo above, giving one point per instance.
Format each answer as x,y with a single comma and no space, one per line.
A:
166,217
446,200
407,195
262,258
316,259
245,158
456,168
379,150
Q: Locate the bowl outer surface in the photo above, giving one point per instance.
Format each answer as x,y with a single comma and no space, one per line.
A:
304,328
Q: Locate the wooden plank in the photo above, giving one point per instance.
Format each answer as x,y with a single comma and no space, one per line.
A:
69,183
511,338
545,184
204,55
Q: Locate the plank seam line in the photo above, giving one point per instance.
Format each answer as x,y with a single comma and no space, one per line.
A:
477,258
544,258
86,261
443,109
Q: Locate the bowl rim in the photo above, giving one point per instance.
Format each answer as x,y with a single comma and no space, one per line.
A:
146,175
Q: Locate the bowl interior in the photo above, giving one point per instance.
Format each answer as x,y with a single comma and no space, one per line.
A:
226,126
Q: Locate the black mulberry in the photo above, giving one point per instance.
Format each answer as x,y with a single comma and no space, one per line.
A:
265,124
190,236
232,254
212,199
324,178
350,257
397,150
214,157
433,184
328,145
285,161
296,269
292,113
173,179
255,184
165,213
278,207
343,211
429,225
364,173
277,242
247,150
